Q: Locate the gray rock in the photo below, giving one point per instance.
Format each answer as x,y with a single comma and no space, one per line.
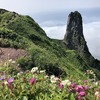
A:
74,38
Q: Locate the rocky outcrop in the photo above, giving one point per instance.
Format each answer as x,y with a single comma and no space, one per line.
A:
74,38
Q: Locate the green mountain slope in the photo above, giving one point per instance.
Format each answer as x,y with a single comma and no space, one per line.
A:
17,31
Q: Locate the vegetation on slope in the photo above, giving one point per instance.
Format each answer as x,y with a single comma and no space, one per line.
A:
35,84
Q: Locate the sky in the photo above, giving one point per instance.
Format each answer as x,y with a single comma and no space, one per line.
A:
52,16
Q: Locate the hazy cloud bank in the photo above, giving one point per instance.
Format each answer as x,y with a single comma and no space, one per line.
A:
92,35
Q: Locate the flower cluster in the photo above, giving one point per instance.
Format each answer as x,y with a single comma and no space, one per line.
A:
64,83
40,85
80,90
54,79
34,69
32,81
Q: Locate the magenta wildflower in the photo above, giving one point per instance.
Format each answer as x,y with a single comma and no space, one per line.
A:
61,85
82,94
73,85
79,98
86,87
32,81
10,80
85,81
79,88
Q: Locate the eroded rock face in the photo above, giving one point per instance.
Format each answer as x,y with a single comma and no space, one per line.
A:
74,38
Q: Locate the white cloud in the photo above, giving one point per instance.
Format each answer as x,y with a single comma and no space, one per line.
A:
35,6
55,32
91,33
49,23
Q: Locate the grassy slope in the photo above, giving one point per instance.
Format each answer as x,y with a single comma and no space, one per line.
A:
23,32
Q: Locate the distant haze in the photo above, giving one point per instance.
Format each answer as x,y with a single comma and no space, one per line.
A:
52,17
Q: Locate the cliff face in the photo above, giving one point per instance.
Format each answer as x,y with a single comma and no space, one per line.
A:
74,38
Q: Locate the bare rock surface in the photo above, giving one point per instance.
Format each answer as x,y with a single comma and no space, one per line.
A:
74,37
11,53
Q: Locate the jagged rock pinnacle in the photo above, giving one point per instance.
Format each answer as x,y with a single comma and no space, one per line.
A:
74,38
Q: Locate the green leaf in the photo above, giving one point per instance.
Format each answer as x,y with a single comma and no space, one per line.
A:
71,97
25,98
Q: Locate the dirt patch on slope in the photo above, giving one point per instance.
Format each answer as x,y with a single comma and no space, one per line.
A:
11,53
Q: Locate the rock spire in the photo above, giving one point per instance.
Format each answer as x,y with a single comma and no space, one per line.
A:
74,38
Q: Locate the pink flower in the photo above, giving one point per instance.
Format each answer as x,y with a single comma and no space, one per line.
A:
32,81
9,83
79,98
82,94
79,88
85,81
2,78
73,85
10,80
61,85
86,87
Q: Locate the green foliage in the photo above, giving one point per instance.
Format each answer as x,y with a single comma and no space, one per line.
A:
25,63
9,67
42,57
12,39
38,86
45,59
